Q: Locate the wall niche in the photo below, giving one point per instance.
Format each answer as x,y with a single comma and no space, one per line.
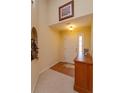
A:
34,44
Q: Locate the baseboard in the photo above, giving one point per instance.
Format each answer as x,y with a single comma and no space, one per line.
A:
48,67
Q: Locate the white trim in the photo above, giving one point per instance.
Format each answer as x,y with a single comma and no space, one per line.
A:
48,67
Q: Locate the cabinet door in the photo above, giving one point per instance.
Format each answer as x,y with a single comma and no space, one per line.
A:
89,77
81,75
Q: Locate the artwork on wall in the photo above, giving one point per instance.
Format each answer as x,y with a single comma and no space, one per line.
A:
66,10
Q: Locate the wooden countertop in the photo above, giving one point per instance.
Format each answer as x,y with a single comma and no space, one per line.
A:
84,59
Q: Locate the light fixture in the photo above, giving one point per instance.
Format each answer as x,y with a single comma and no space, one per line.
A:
71,27
33,2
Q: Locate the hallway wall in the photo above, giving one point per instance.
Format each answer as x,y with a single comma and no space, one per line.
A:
48,42
34,63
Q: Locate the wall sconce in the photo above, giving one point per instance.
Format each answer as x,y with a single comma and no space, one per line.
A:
33,2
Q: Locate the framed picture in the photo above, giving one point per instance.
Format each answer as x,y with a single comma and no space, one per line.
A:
66,10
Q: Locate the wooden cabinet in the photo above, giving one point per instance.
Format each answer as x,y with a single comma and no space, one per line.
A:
83,73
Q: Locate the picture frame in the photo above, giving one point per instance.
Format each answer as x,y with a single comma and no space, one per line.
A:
66,10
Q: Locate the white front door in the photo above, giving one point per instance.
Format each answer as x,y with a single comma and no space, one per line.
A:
70,47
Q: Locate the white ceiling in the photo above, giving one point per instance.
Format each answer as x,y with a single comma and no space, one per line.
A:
78,22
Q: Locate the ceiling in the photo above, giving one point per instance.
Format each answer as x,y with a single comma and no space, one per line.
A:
77,22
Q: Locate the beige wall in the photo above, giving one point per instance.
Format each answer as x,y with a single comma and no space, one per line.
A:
34,14
48,42
34,63
81,8
87,38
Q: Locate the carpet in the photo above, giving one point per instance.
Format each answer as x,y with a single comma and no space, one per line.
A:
54,82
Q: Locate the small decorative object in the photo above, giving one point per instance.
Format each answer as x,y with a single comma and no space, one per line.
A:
66,10
34,44
86,51
34,50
